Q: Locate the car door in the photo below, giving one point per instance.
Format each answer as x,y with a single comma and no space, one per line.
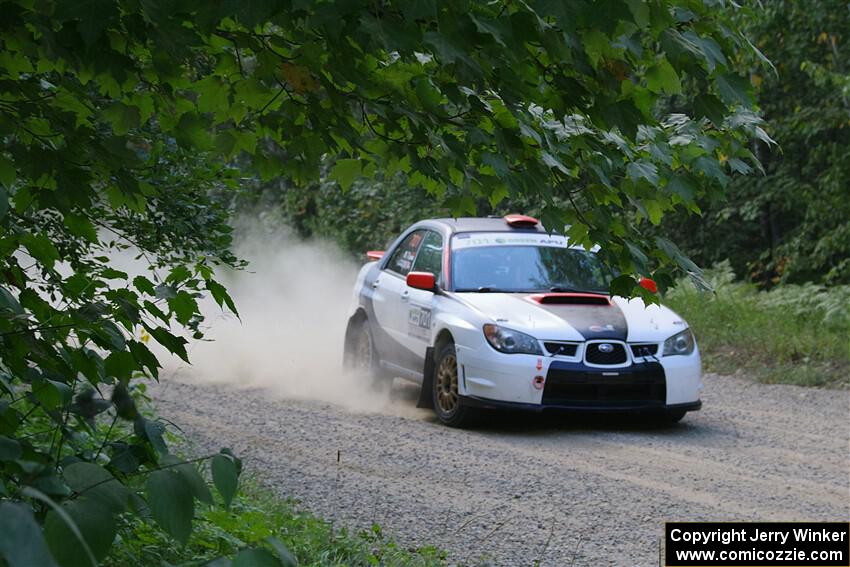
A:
420,302
390,310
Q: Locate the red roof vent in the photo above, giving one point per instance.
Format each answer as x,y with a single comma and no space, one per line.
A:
521,221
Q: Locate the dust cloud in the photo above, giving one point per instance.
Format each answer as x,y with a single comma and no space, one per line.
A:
293,300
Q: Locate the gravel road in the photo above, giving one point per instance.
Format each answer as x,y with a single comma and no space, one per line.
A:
559,490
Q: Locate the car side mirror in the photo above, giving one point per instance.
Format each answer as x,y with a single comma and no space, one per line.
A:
422,280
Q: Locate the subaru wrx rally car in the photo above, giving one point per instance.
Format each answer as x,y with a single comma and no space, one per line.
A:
498,313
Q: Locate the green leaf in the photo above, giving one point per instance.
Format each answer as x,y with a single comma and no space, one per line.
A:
623,115
419,9
122,117
93,521
184,306
192,132
111,335
709,106
145,357
96,483
256,557
739,166
21,542
124,403
7,172
655,210
175,345
735,90
165,291
554,162
638,257
51,485
172,504
710,167
4,203
178,274
761,55
51,394
199,487
193,478
120,364
220,295
225,475
663,78
345,171
677,255
212,94
144,285
9,303
283,553
680,185
10,449
622,285
153,431
81,226
41,248
643,169
111,274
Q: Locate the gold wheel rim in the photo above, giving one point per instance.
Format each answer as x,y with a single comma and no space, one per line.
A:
446,384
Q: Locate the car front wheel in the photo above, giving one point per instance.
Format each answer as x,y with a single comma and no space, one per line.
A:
447,404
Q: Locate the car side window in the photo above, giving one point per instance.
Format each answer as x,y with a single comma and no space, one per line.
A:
430,257
402,259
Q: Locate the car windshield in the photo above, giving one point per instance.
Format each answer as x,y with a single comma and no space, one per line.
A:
528,268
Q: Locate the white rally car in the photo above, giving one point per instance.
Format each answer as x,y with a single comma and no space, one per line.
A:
498,313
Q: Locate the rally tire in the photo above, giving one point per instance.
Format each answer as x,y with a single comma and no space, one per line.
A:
444,390
361,358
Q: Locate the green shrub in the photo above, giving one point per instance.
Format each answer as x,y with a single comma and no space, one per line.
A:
795,334
255,518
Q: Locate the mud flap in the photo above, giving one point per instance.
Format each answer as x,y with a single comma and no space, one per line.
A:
426,398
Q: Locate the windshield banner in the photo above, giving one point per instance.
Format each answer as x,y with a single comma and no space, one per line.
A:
478,239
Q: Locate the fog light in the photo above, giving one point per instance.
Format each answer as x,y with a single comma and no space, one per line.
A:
538,382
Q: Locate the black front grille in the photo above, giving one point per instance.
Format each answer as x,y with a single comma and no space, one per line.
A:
560,349
642,385
647,349
595,355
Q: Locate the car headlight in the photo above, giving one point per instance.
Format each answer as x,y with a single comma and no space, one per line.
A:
510,341
680,343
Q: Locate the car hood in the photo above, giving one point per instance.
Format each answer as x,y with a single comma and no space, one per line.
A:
620,319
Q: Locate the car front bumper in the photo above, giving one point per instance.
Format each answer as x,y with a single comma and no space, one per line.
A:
474,401
489,379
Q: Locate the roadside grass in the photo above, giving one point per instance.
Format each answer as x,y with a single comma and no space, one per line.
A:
256,518
793,334
255,515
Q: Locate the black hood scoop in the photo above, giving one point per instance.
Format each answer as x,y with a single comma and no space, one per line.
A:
593,315
571,299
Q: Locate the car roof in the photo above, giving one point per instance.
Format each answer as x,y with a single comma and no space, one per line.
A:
481,224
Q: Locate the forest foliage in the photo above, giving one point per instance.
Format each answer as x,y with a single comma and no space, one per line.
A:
123,123
789,224
792,224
